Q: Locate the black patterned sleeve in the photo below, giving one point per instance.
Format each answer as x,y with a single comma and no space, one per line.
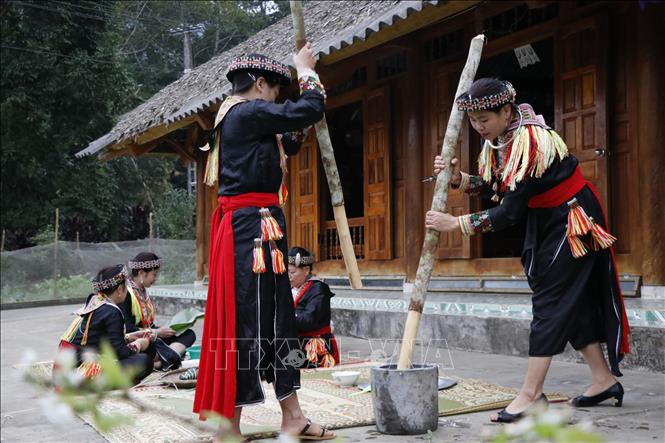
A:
512,209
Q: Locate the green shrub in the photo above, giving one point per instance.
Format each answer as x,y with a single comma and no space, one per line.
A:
174,215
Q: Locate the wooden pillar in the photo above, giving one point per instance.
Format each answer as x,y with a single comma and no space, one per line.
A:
651,133
414,218
201,214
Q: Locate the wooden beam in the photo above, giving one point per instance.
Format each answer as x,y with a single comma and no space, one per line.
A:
180,150
205,121
429,15
163,129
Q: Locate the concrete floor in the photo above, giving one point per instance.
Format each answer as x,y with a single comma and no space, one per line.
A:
640,420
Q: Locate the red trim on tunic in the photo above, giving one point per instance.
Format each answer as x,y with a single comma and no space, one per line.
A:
317,332
560,194
216,385
301,293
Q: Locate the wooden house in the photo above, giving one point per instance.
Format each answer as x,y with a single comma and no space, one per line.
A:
593,69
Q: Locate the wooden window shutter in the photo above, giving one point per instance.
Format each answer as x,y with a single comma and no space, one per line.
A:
377,175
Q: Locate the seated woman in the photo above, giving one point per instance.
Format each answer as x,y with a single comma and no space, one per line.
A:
311,299
166,347
101,319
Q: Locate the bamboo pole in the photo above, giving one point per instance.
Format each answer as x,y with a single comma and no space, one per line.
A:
150,232
330,167
2,245
439,201
55,253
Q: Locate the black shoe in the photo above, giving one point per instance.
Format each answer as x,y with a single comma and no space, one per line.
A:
615,391
506,417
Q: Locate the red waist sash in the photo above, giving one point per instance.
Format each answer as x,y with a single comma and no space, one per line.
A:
561,193
256,199
216,385
326,330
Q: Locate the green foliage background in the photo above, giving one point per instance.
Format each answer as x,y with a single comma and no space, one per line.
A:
69,69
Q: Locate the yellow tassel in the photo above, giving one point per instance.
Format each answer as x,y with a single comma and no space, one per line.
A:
70,333
600,238
579,222
315,347
327,361
577,247
270,229
486,163
278,266
258,262
89,369
212,166
283,194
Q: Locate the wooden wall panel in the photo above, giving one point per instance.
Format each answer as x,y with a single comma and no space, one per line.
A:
581,96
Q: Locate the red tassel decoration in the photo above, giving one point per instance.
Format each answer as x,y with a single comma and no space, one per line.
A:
89,369
579,222
282,194
600,238
278,266
576,246
315,347
327,361
258,262
270,229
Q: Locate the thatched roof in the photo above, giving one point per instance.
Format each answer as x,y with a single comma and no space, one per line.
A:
331,25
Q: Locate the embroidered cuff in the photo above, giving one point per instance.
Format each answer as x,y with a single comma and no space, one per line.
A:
475,184
311,83
475,223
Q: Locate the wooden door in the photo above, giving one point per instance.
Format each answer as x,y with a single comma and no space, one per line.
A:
377,175
306,196
442,84
581,96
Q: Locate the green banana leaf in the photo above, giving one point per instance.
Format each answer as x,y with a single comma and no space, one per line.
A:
185,319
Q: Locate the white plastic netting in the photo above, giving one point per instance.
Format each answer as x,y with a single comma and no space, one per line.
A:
64,271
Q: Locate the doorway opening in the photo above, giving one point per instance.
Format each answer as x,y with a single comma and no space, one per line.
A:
345,124
534,85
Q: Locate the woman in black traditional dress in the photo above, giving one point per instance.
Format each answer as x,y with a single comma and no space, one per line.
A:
166,347
311,299
101,319
249,334
567,254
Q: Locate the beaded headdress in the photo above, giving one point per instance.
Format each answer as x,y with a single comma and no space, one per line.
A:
466,103
299,260
261,63
148,264
110,282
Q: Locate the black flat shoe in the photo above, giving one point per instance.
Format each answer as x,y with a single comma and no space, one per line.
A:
506,417
615,391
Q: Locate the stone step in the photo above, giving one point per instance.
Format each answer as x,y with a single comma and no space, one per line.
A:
497,324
